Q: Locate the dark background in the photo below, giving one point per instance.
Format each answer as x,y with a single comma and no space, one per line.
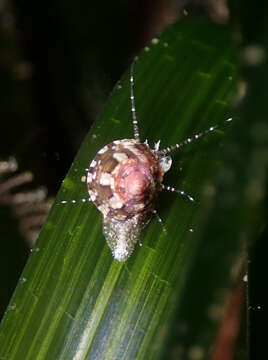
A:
58,62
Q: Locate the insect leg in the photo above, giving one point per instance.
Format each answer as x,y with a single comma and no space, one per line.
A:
75,201
159,220
133,107
181,192
190,139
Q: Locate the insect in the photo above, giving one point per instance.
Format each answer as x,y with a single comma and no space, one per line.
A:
123,181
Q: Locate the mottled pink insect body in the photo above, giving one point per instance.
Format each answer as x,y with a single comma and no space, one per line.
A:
123,180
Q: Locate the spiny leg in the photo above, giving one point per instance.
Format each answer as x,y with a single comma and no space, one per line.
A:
133,107
190,139
181,192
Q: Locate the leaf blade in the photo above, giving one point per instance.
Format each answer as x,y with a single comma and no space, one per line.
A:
131,304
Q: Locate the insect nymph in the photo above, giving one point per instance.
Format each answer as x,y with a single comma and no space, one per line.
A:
124,179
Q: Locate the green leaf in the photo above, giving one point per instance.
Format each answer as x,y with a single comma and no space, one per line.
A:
74,301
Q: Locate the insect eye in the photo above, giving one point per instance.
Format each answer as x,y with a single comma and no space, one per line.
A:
165,163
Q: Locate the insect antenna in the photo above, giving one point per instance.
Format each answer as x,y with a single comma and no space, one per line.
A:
133,107
190,139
